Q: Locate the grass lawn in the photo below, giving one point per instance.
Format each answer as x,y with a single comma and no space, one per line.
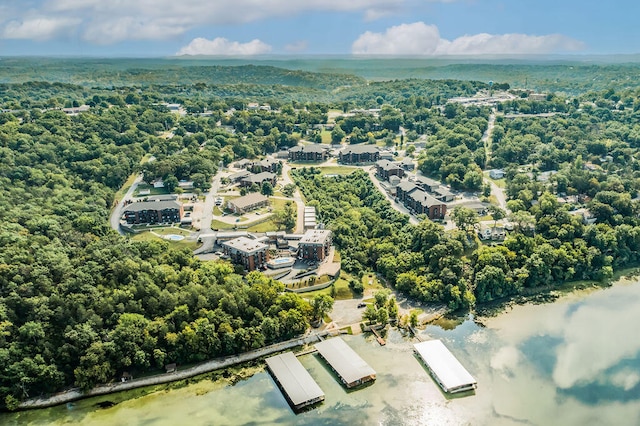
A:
266,226
501,183
125,187
342,291
173,230
337,170
326,136
370,281
152,190
270,225
216,224
148,236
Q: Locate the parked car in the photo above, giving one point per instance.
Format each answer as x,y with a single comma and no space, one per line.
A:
362,305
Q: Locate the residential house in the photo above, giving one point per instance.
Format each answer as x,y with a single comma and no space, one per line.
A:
237,177
268,165
496,174
355,154
491,232
315,244
422,203
247,203
385,169
244,164
443,194
251,254
258,179
386,155
404,189
153,212
311,152
427,184
407,164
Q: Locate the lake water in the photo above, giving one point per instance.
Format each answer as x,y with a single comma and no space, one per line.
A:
572,362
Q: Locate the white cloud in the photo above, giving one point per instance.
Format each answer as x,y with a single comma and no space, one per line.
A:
38,28
111,21
421,39
222,46
590,333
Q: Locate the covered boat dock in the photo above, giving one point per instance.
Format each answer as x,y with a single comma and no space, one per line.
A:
445,367
349,366
296,383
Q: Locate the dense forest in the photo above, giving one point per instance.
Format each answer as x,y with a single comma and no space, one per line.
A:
81,305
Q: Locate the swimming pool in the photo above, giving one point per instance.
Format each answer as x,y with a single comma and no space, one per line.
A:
174,237
281,262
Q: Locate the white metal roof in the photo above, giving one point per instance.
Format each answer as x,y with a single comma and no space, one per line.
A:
294,378
444,365
344,360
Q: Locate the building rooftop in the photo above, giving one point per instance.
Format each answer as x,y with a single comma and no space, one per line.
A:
315,236
246,245
239,175
308,148
248,200
407,186
360,149
296,382
344,360
446,368
424,199
259,177
423,180
151,205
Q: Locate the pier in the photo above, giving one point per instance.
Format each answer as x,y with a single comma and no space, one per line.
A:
348,365
296,383
445,367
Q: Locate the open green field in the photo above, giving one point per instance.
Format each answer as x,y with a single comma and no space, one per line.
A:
149,236
342,291
152,190
337,170
326,136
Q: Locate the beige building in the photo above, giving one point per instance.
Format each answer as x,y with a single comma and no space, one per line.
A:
247,203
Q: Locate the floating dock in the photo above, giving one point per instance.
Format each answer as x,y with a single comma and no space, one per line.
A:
294,380
445,367
352,370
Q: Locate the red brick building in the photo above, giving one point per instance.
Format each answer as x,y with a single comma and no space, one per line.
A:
251,254
315,244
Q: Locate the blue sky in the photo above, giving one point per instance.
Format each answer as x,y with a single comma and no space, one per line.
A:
363,27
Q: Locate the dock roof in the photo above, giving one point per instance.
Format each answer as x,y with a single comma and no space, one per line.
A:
446,368
344,360
295,381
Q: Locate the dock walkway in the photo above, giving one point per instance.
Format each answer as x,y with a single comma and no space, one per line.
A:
206,367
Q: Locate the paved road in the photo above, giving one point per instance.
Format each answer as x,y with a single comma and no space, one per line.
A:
116,214
496,191
371,170
206,216
286,179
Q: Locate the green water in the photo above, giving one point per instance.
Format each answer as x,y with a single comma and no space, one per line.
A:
572,362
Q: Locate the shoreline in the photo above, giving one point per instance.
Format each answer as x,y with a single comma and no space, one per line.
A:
158,379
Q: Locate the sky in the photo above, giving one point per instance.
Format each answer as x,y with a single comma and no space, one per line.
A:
147,28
